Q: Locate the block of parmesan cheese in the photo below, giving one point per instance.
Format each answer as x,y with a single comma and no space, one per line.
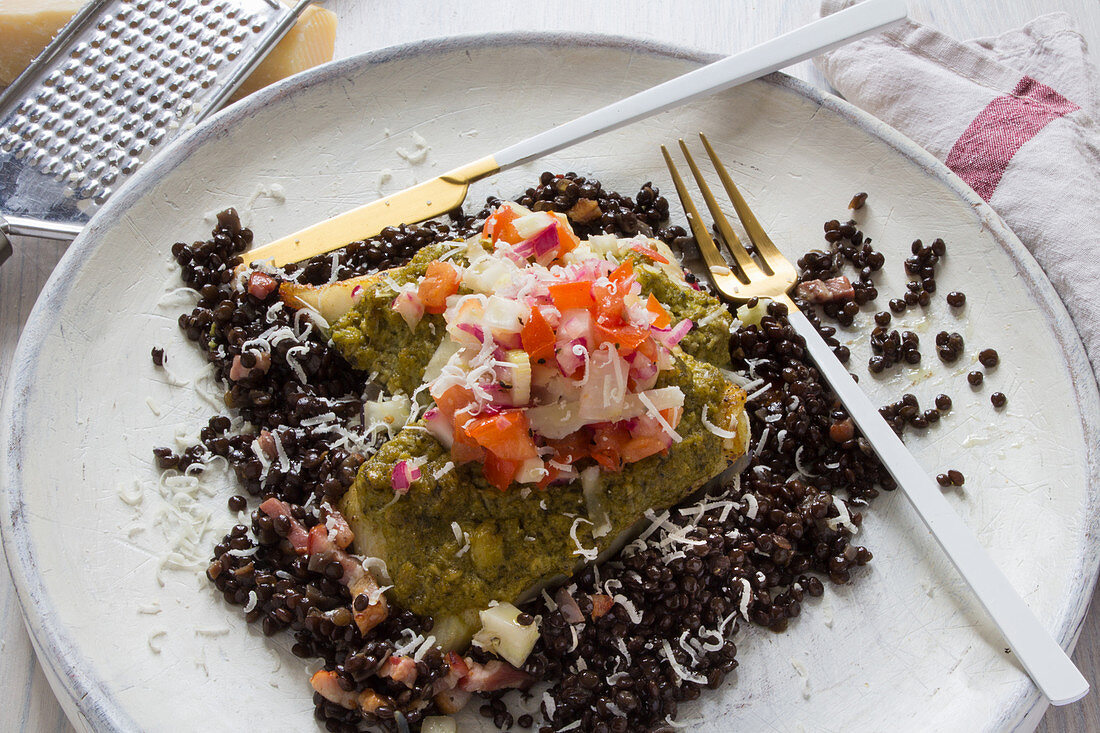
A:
310,42
26,26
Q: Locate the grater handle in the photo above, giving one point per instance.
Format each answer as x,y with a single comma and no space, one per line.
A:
21,226
5,243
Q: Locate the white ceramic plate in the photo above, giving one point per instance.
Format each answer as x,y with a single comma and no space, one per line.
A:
904,647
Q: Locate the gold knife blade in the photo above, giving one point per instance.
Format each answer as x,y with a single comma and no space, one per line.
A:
417,203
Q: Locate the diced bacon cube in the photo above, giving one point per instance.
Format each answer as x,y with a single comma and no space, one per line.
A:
494,675
834,290
327,683
399,669
239,371
261,285
601,604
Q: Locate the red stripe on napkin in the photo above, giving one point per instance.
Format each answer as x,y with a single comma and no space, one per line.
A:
981,155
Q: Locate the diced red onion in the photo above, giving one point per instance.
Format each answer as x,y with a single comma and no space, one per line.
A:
672,336
526,248
403,475
439,426
509,252
576,323
644,371
472,329
679,331
409,307
568,358
638,314
545,244
507,340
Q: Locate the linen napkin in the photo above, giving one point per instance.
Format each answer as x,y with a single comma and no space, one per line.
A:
1015,117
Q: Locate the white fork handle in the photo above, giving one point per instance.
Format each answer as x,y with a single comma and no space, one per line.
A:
1048,665
820,36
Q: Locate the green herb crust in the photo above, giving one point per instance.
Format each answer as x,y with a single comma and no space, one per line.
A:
515,544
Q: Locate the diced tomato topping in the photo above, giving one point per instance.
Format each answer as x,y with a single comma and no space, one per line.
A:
610,439
628,338
663,319
567,240
537,337
641,447
453,400
609,305
465,448
499,472
650,253
572,295
439,283
648,348
672,416
500,226
551,476
582,308
649,437
623,274
571,448
506,435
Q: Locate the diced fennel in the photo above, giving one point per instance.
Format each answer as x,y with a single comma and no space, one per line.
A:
751,316
533,223
447,348
503,635
531,471
486,273
520,376
392,411
438,724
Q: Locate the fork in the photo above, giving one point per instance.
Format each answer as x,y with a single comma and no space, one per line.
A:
769,275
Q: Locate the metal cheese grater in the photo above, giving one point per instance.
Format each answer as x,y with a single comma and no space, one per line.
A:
123,78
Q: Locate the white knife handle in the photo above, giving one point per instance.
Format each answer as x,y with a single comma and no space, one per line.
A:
820,36
1048,665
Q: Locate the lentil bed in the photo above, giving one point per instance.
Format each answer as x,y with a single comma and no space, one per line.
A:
751,550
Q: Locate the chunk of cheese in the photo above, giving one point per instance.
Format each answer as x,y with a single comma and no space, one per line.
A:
26,26
310,42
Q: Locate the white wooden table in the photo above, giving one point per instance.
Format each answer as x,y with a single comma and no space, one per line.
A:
26,701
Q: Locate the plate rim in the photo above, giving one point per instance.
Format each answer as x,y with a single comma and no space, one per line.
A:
65,666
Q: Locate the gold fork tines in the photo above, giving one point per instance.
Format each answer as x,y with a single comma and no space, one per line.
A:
772,277
768,274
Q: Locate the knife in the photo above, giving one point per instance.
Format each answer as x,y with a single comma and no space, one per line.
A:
447,192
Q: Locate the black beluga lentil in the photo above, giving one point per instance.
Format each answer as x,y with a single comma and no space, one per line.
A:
847,245
764,544
949,346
